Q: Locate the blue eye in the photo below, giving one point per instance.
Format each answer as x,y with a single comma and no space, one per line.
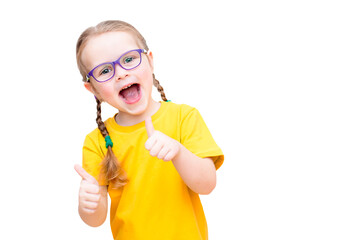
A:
103,70
128,60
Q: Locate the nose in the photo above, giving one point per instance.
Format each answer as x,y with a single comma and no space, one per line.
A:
120,73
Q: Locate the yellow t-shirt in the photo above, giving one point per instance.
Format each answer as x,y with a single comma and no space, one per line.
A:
155,203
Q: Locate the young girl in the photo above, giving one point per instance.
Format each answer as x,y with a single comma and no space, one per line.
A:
153,158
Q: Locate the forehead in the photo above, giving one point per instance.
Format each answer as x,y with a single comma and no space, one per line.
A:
106,47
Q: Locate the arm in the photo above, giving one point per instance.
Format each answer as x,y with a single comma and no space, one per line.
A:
197,173
93,200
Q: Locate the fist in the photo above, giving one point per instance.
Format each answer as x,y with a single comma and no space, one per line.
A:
160,145
89,191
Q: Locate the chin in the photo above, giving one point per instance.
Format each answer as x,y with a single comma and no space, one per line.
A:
136,109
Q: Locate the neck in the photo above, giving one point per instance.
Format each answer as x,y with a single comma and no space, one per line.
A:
124,119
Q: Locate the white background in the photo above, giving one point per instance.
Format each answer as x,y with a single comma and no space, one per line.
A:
277,82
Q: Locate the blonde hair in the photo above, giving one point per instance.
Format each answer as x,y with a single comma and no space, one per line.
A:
110,166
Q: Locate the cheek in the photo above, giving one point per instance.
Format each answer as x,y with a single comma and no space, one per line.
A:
147,80
105,91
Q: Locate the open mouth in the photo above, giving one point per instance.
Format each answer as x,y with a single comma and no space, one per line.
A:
131,93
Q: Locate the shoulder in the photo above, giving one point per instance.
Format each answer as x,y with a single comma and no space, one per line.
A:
182,109
95,137
184,115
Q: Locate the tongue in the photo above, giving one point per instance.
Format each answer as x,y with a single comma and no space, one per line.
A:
130,93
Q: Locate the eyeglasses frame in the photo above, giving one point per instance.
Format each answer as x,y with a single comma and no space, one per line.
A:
90,74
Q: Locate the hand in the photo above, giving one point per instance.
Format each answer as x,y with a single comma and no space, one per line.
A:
160,145
89,192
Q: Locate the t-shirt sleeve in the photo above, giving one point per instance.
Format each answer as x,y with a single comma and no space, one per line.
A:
93,157
196,137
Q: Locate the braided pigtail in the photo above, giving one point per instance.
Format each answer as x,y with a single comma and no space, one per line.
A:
110,167
159,88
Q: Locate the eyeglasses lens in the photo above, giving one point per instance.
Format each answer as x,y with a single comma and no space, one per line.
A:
127,61
104,72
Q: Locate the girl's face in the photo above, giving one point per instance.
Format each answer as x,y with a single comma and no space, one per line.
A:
129,90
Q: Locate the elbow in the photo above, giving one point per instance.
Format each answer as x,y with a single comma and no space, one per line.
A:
208,186
209,179
207,191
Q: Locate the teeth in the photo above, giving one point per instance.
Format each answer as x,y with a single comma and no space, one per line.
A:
127,87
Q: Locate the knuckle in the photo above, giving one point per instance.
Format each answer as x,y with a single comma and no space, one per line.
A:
89,211
81,195
92,188
170,156
90,205
93,205
147,144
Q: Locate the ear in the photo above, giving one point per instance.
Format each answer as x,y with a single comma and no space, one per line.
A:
150,60
89,87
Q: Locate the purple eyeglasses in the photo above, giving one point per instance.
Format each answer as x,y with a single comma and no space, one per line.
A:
105,71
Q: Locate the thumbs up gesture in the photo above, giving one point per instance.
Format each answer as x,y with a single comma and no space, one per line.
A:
160,145
89,191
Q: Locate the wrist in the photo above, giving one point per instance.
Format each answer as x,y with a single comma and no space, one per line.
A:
180,152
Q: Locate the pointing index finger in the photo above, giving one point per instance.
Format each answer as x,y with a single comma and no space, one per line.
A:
149,126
